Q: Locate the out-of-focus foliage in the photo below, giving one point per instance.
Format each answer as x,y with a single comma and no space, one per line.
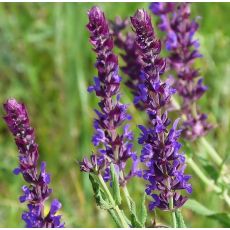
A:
46,62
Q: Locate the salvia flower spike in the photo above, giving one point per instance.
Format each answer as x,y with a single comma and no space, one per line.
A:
126,43
38,191
111,146
183,51
160,146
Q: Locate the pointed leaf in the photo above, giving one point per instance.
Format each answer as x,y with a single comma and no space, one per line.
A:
132,208
98,194
179,219
135,223
132,205
143,212
198,208
222,218
115,218
115,185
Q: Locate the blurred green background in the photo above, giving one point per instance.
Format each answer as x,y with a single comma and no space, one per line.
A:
46,61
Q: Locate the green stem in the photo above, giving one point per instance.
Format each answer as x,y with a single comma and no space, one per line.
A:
215,157
194,110
116,208
171,206
208,182
202,176
226,197
211,151
126,192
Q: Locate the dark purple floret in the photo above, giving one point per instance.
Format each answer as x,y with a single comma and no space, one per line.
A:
38,190
111,146
183,51
160,147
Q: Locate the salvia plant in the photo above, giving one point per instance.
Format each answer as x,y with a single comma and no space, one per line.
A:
155,83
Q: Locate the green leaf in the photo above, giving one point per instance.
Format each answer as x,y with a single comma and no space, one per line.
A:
95,185
132,208
115,185
222,218
198,208
104,204
126,218
210,169
135,223
143,211
114,216
99,195
179,219
132,205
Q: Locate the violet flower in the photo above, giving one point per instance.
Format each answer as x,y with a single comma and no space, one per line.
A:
126,43
38,190
183,51
160,146
111,146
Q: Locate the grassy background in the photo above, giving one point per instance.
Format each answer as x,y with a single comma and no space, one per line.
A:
46,62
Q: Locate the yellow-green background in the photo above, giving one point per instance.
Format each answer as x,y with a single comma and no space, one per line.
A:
46,61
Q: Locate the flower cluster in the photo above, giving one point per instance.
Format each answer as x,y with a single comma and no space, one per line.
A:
183,51
38,190
126,43
112,147
160,146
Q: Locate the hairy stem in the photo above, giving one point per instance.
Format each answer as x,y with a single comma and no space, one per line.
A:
212,152
116,208
202,176
171,206
126,192
224,195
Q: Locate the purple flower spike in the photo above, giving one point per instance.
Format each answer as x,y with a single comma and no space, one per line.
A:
126,43
183,51
164,163
38,192
112,145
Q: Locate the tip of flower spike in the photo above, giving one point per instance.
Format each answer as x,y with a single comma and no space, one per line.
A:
95,15
140,17
12,105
